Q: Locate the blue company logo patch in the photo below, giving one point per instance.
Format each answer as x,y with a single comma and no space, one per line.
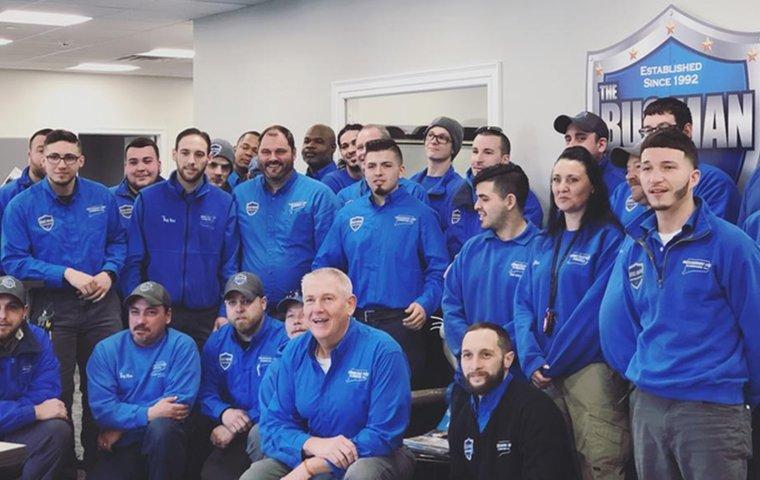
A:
126,211
46,222
264,362
516,269
215,149
456,216
357,375
159,369
696,265
355,223
630,204
636,274
225,360
8,282
95,210
296,206
207,221
404,220
469,448
578,258
711,69
251,208
503,447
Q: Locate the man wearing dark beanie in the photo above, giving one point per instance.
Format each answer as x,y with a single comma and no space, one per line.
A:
443,139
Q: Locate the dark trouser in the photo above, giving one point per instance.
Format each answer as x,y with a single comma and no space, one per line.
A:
78,325
411,341
753,471
196,323
676,440
160,456
48,443
228,463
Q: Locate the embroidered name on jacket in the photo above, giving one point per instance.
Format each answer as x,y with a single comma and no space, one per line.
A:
264,362
503,447
401,220
95,209
578,258
516,269
207,221
696,265
296,206
357,375
159,369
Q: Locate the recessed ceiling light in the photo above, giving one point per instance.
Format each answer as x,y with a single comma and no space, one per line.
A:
42,18
103,67
5,41
169,53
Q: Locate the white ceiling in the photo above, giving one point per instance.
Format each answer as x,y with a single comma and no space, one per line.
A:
119,28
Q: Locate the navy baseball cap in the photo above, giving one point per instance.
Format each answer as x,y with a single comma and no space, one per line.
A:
587,121
290,299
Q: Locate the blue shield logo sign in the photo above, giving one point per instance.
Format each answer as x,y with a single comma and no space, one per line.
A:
225,360
46,222
713,70
469,448
251,208
126,211
636,274
356,223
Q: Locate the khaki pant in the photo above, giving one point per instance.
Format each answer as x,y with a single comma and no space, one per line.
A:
592,401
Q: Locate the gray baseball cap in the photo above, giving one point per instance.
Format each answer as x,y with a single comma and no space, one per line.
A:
14,287
619,155
222,148
587,121
246,283
153,293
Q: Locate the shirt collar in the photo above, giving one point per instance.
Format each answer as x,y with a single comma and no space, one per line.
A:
49,190
646,224
177,187
485,405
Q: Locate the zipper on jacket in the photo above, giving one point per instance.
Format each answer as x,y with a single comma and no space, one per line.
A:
184,250
661,272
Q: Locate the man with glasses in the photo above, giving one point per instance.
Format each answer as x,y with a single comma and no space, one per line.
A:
490,147
235,359
443,140
66,233
589,131
715,187
184,236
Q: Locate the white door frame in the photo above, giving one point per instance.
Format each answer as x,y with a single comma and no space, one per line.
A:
488,75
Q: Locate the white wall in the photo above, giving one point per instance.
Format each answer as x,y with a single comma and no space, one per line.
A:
30,100
274,62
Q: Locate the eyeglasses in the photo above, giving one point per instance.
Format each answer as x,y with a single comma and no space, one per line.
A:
68,159
646,131
443,139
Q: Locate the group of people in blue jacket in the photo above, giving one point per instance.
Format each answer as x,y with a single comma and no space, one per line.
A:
634,312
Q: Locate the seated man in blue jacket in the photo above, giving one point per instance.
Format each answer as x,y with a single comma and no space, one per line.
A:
680,320
31,412
343,408
235,359
143,383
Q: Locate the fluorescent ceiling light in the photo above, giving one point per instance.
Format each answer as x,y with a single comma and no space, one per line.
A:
169,53
41,18
103,67
5,41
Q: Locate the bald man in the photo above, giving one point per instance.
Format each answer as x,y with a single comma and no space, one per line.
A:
318,150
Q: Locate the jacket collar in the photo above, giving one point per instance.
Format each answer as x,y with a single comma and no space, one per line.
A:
522,239
28,344
440,187
74,195
123,190
344,346
699,223
25,181
390,199
177,187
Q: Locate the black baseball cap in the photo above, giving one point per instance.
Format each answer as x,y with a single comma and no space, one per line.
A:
586,121
12,286
291,298
153,293
246,283
619,155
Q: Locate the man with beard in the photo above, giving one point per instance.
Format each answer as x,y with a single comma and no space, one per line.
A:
481,282
283,217
715,187
245,150
344,404
628,201
144,382
183,236
679,320
490,147
65,231
391,246
235,359
443,140
361,189
318,149
141,168
500,426
220,164
352,172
